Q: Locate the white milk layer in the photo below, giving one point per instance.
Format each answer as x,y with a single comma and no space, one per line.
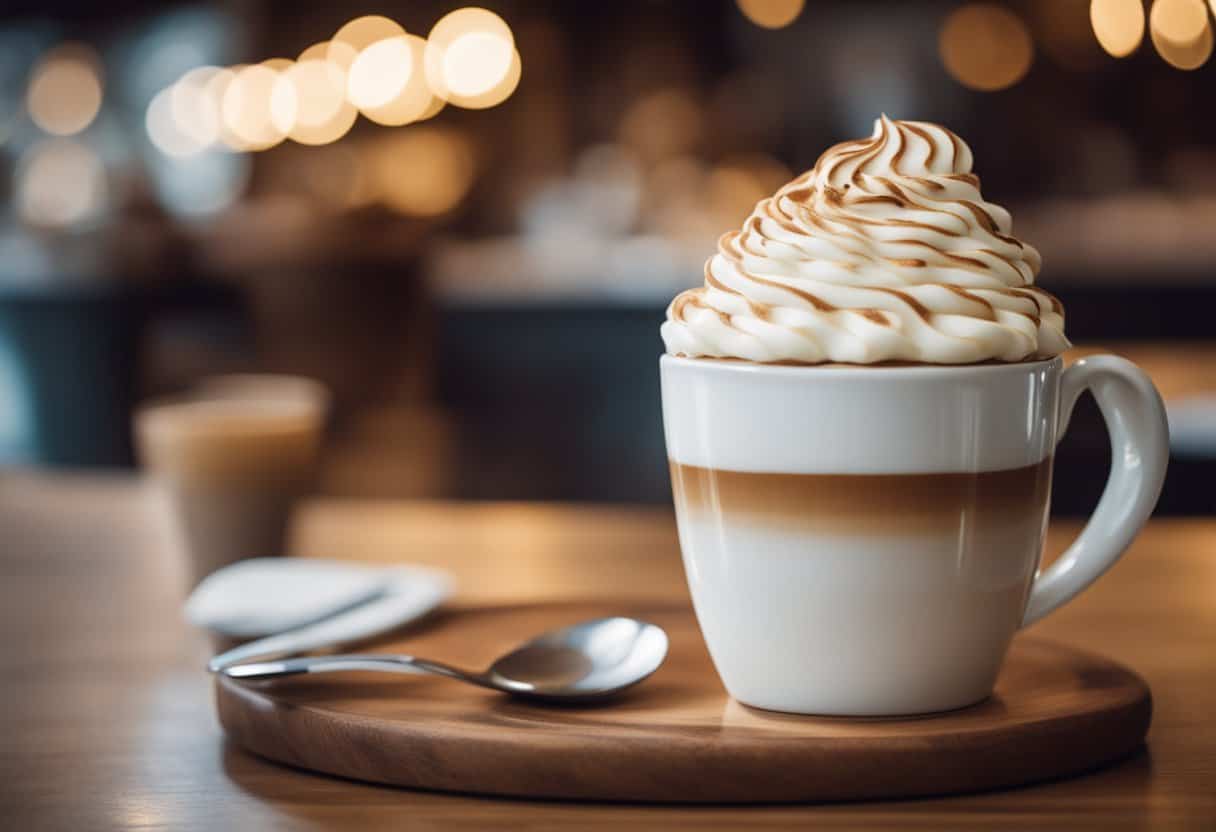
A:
849,624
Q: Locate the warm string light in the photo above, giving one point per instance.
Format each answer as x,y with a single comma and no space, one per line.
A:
380,73
370,66
277,64
359,34
470,59
771,14
1118,25
985,47
216,89
167,134
310,98
65,90
194,106
1179,21
475,63
245,108
1180,32
411,98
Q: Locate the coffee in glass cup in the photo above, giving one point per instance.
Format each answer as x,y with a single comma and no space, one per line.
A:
231,460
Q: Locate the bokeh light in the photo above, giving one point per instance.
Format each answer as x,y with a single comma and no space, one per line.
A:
65,90
422,171
359,34
433,108
471,60
309,100
738,183
246,108
380,73
475,63
60,183
413,101
321,52
1118,25
665,123
284,101
733,194
985,47
1190,56
771,14
194,107
337,54
767,172
1181,32
167,133
1179,21
496,94
215,88
371,66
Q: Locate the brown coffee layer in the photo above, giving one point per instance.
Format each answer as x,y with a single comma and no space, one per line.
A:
991,362
874,503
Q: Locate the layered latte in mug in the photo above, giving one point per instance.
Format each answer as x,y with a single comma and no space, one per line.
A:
861,406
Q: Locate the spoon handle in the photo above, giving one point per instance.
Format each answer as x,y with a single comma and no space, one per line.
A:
341,663
373,616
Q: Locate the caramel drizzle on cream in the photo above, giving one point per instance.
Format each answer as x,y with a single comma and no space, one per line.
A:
885,229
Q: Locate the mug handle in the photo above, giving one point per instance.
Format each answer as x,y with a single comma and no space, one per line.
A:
1139,444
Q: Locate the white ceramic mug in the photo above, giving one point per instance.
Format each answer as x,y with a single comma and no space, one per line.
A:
866,540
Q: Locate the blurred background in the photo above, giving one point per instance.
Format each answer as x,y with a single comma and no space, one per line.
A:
468,223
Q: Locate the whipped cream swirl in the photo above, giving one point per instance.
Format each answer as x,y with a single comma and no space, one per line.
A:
884,251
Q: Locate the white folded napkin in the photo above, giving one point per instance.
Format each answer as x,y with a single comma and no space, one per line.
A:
307,605
293,605
261,596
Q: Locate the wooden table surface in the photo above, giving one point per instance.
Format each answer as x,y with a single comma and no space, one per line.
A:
106,717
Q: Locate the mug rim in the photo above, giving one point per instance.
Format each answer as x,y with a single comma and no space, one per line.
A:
731,366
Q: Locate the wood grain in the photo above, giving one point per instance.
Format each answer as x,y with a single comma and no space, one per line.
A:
108,720
678,737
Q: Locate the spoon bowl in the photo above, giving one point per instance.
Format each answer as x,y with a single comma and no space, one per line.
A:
590,660
587,660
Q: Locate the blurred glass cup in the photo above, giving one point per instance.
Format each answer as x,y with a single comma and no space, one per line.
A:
232,458
265,386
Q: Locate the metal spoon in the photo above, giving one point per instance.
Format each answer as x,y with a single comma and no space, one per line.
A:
590,660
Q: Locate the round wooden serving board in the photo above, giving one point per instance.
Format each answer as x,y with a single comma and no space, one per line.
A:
677,737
